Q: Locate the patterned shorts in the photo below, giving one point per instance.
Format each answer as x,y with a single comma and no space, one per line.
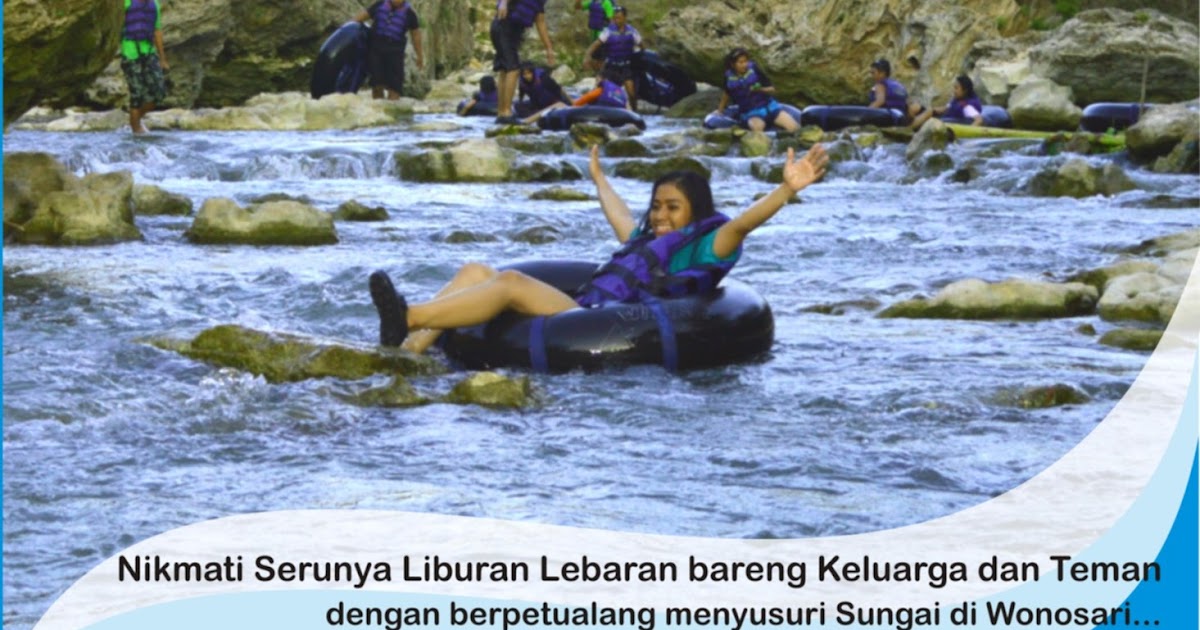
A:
145,79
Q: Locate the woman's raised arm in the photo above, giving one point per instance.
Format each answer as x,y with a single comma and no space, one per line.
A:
797,175
615,210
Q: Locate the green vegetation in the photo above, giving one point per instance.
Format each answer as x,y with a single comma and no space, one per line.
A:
1066,8
1141,17
1001,23
1040,24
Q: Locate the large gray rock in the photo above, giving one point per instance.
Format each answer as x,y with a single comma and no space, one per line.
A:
934,135
1041,104
98,211
473,160
221,220
1101,55
1160,130
1078,178
1147,297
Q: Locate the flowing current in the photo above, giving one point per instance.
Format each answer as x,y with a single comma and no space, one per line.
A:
851,424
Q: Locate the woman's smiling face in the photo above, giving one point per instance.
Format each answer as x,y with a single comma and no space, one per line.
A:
670,210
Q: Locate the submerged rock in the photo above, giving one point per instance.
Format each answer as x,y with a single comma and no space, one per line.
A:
283,357
560,193
491,389
150,200
397,393
1010,299
472,160
1132,339
354,211
1041,397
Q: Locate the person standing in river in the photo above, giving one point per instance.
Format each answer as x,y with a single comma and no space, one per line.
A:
508,29
620,41
143,59
391,22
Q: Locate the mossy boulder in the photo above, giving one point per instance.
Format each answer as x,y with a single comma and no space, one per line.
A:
354,211
491,389
1010,299
538,171
754,144
544,144
1164,245
1040,397
626,147
1132,339
222,221
150,200
466,236
28,178
696,105
934,135
1100,278
648,171
538,235
588,134
282,357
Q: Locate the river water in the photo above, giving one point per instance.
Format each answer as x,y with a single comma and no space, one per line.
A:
852,423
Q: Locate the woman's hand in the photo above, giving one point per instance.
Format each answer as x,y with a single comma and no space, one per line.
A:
594,164
798,174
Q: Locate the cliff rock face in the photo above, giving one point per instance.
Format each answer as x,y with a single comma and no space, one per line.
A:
1101,55
51,48
819,51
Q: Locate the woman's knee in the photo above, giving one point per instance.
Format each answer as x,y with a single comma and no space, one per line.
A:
475,273
756,124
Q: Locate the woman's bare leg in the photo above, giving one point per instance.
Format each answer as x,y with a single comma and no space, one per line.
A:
784,121
468,275
474,304
757,124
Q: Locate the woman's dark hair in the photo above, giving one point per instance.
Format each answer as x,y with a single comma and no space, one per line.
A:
487,84
695,189
733,56
967,84
620,10
883,66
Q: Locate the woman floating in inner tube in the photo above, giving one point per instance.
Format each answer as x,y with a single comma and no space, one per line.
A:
963,106
681,245
750,89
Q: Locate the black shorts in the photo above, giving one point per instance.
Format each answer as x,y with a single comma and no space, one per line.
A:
506,39
386,62
621,72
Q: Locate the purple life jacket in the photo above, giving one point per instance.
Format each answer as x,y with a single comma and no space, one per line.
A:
597,19
612,95
139,20
895,96
619,47
739,88
640,267
391,22
540,93
524,12
954,109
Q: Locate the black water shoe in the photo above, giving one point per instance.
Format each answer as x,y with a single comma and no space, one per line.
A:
393,310
508,120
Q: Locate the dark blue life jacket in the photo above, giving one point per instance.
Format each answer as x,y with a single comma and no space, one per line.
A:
895,95
954,109
620,45
612,95
597,18
641,267
391,22
740,88
541,92
139,20
524,12
487,98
